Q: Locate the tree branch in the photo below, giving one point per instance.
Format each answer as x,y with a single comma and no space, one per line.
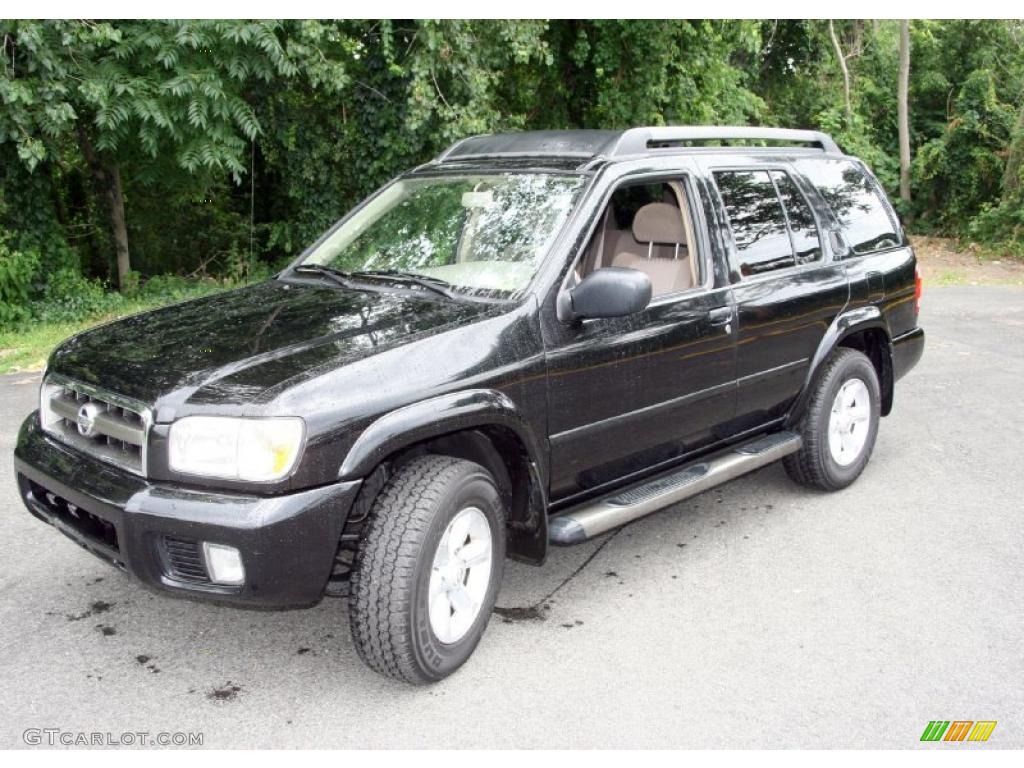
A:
845,69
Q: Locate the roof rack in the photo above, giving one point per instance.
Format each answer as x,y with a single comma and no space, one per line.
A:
592,144
637,141
582,144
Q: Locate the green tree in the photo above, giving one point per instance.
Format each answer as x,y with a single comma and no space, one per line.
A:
615,74
134,93
131,137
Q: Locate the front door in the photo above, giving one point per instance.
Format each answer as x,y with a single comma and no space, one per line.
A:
629,394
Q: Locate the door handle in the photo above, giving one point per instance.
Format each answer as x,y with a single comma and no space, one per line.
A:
721,316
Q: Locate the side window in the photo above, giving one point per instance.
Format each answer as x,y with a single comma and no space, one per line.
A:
806,243
856,202
757,220
646,226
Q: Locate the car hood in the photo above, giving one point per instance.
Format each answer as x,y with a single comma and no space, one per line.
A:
240,346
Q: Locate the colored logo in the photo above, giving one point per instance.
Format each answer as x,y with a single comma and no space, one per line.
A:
958,730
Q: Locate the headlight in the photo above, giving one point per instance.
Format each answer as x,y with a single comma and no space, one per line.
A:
236,449
47,391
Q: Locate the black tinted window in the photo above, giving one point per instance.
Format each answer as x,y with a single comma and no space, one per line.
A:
806,243
856,202
757,221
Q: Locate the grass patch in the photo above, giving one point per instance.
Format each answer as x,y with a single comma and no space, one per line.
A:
949,277
989,276
27,348
74,304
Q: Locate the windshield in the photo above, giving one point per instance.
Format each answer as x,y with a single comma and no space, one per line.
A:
482,234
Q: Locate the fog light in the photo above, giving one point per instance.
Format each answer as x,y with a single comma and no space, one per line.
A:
224,564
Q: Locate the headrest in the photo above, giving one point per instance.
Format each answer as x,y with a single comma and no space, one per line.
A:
659,223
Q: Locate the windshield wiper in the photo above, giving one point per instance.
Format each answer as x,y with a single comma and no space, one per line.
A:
435,284
332,274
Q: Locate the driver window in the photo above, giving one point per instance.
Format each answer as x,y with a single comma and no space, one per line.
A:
646,226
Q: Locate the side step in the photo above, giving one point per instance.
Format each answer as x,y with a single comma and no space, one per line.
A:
592,518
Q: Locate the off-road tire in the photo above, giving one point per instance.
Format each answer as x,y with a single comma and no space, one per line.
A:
813,464
388,613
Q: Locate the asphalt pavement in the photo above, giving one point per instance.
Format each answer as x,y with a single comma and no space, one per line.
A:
759,614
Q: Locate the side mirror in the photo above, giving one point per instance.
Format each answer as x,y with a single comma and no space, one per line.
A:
837,242
608,292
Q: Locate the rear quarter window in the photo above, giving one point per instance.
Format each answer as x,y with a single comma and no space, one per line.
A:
856,202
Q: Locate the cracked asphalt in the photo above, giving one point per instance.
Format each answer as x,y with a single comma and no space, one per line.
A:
756,615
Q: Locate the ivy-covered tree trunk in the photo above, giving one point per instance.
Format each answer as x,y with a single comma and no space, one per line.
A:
108,176
118,224
1014,159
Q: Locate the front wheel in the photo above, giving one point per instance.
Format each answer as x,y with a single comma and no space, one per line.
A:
428,570
839,425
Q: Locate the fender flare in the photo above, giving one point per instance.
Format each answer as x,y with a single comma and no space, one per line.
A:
457,412
845,324
438,416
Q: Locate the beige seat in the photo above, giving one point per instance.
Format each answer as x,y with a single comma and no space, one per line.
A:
659,233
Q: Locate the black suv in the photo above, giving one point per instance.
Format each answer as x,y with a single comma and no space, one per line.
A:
534,338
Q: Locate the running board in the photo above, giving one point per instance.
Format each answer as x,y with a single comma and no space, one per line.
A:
624,506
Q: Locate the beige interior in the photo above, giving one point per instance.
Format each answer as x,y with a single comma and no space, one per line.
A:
656,244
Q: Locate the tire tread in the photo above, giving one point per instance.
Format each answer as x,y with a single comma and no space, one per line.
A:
384,572
806,466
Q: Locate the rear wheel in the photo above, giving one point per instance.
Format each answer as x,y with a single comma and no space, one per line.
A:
428,570
839,425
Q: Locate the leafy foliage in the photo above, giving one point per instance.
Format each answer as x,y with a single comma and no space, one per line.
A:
236,142
16,272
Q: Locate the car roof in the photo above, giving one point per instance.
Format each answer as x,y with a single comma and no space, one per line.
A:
576,148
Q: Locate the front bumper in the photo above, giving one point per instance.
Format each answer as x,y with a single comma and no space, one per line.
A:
154,531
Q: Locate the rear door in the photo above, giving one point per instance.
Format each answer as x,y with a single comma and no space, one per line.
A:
786,287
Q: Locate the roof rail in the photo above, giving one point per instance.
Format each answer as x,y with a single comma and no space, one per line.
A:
637,141
440,158
590,144
582,144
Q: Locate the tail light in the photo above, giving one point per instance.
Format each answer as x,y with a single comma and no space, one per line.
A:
918,288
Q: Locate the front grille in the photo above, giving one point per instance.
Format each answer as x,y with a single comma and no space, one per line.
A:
104,425
185,560
82,521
